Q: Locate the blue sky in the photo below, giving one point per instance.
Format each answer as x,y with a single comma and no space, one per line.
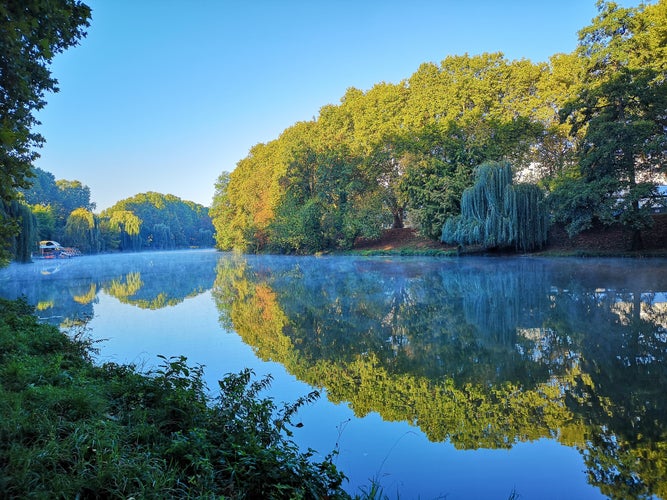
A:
164,95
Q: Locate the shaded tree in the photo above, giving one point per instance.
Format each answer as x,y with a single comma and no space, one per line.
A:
621,113
20,246
33,32
46,221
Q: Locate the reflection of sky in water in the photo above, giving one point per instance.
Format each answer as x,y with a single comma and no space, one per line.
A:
396,453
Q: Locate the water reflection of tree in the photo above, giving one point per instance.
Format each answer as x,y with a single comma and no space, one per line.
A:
479,356
148,281
621,398
164,283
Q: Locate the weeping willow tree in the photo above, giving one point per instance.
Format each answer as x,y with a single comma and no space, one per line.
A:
20,245
496,213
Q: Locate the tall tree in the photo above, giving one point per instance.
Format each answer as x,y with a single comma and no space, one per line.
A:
71,195
32,32
621,111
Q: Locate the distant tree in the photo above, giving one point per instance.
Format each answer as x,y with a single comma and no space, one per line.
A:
164,221
43,189
32,33
71,195
496,213
82,232
52,201
46,222
128,226
162,237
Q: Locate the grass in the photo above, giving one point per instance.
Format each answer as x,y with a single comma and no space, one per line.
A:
72,429
406,251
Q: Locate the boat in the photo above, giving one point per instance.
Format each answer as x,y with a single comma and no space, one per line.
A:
49,249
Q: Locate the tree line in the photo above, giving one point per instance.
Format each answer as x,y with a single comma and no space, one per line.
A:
586,130
61,210
34,205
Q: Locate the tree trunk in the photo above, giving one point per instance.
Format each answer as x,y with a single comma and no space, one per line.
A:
398,221
637,242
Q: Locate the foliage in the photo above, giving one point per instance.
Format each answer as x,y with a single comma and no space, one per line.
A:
62,211
620,113
396,154
34,31
588,126
21,245
82,231
72,429
496,213
158,221
46,222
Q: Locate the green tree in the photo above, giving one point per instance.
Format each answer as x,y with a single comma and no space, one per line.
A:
128,226
221,213
74,194
621,111
22,244
495,213
46,221
43,188
82,232
166,221
61,197
32,32
464,112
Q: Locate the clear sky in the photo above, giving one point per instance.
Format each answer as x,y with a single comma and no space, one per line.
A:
164,95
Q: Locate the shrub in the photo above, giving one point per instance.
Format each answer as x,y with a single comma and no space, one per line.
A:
70,429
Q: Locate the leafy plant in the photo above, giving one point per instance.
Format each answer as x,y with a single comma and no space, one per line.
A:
71,429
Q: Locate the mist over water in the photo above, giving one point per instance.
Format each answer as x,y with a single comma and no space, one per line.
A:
468,377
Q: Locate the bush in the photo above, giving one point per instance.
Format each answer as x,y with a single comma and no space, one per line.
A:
70,429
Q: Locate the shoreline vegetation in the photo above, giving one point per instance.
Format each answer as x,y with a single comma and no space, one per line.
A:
597,242
72,429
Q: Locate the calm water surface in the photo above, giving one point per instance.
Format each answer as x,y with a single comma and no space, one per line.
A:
464,378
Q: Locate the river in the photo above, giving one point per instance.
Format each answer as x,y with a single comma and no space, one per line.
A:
439,377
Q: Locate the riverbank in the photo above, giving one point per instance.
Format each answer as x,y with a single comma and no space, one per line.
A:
72,429
599,241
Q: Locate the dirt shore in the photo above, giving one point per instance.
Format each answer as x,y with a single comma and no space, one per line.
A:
613,240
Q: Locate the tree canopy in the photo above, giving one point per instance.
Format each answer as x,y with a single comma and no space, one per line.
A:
158,221
396,154
619,119
32,32
588,127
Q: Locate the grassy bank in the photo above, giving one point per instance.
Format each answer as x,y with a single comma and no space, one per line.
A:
72,429
597,242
